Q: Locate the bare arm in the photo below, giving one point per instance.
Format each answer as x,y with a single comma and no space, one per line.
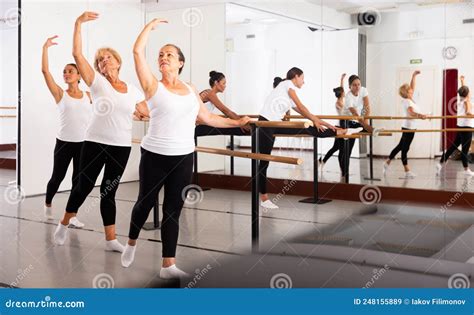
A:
207,118
85,69
413,79
303,110
462,78
221,106
342,80
147,80
53,87
412,113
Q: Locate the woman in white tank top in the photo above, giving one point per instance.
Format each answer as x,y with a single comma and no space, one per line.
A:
463,138
74,107
167,150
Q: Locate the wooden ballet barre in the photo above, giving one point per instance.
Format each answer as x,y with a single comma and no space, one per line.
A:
353,136
283,124
253,156
7,116
377,117
428,130
7,107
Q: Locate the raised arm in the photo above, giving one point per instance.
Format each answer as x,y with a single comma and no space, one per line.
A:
53,87
343,76
147,80
221,106
462,78
85,69
413,79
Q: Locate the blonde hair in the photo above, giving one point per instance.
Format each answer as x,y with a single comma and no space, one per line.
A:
403,90
99,53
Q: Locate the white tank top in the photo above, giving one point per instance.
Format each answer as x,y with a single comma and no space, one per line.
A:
463,122
74,117
172,122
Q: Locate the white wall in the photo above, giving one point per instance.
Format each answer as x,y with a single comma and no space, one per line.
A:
118,27
419,34
200,33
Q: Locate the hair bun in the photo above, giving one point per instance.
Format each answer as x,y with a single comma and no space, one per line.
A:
212,73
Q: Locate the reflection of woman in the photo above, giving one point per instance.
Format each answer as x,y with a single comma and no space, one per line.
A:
209,97
167,149
356,104
75,111
338,142
462,138
280,100
411,111
108,138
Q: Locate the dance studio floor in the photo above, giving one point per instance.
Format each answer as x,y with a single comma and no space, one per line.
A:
451,179
339,244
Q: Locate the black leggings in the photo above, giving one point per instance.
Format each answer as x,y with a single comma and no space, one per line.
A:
464,139
64,152
156,171
266,140
94,157
204,130
345,157
338,143
404,146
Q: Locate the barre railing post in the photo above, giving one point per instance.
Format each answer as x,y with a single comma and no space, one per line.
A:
315,199
346,158
371,156
232,158
255,197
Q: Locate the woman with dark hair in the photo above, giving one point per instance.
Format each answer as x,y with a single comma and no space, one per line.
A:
75,111
167,149
108,139
463,139
281,99
218,83
340,95
356,104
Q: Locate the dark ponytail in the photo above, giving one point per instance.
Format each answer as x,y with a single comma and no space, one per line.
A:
276,81
293,72
338,91
463,91
214,77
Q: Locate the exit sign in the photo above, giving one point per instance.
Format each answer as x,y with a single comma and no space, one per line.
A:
416,61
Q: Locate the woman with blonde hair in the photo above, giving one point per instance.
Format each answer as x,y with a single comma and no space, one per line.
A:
411,111
108,138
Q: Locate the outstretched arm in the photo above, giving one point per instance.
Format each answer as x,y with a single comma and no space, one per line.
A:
85,69
53,87
413,79
147,80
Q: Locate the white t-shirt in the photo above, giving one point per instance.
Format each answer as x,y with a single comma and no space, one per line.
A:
463,122
74,117
172,122
409,123
356,102
112,117
278,102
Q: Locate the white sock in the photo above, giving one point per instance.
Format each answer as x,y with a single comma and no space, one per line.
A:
351,131
48,212
128,255
60,235
76,223
268,204
114,246
172,272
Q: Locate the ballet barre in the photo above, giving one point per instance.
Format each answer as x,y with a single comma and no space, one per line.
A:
7,107
254,156
7,116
